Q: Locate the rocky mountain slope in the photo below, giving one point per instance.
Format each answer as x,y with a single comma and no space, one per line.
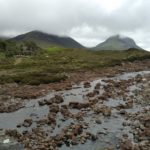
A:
117,42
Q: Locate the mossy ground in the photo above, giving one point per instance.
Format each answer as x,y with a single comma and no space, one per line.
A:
53,64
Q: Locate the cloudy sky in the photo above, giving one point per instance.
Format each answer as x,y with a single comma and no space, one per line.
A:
88,21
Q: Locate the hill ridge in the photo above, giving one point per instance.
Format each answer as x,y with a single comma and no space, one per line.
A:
43,39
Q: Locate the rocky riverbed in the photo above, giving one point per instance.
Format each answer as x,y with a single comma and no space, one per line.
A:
110,113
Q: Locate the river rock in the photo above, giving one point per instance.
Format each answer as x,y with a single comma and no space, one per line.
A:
145,119
27,122
77,105
42,102
97,86
105,110
57,99
136,124
66,113
91,94
13,133
52,118
94,137
98,121
126,145
54,108
123,112
87,84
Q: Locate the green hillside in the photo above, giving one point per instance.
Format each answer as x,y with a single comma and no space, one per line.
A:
54,65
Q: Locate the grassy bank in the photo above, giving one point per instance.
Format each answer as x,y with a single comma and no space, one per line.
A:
54,64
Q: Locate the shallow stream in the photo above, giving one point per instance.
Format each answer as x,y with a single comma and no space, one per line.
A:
108,132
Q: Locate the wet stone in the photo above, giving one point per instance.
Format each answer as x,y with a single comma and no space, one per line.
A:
57,99
27,122
123,112
54,108
77,105
98,121
97,86
87,84
126,145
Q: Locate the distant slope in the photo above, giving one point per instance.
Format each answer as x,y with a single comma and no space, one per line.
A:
117,43
3,38
45,40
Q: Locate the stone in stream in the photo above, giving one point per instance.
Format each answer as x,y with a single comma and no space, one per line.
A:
92,94
79,116
10,107
123,112
138,78
77,105
52,118
145,119
64,106
94,137
129,104
97,86
42,122
8,143
66,113
19,125
105,110
57,99
54,108
13,133
42,103
93,101
27,122
87,84
74,134
136,124
144,145
126,144
98,121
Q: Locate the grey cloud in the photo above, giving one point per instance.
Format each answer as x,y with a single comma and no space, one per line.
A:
88,21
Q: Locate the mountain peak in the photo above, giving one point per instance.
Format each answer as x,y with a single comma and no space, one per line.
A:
117,42
119,37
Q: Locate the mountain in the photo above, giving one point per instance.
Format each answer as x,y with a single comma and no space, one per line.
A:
117,42
3,38
45,40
